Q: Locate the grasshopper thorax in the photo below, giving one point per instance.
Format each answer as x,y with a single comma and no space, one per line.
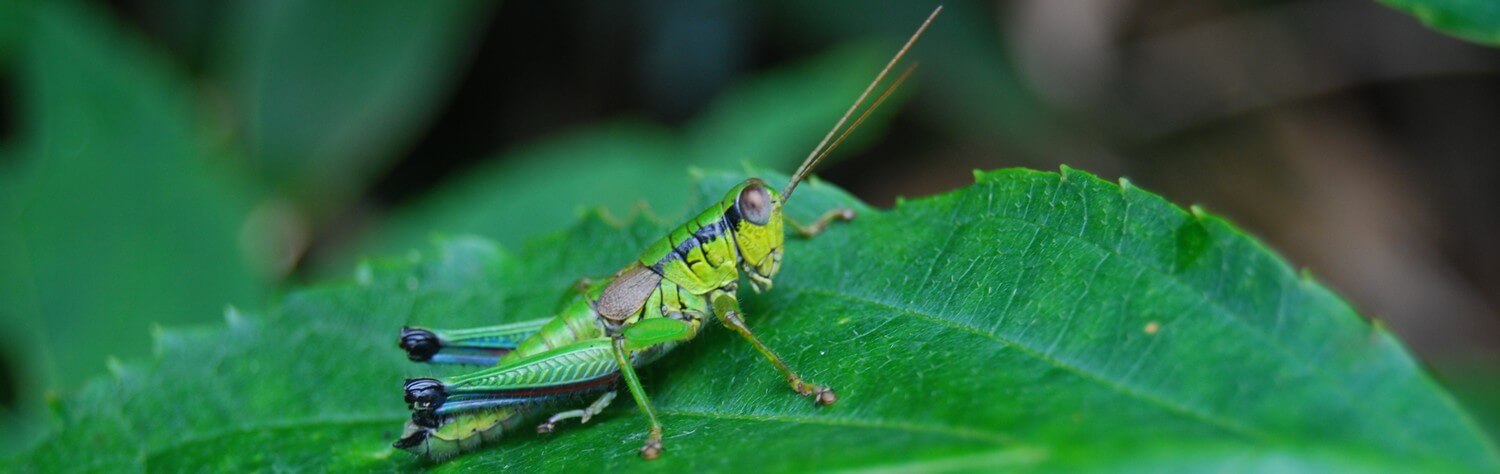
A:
753,212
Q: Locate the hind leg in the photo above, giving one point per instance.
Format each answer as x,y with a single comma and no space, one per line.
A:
474,346
582,415
481,345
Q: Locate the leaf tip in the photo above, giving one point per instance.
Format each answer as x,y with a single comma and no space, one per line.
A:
1062,173
162,339
364,272
1306,275
115,366
1198,211
232,317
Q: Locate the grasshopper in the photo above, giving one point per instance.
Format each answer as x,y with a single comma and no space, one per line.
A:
658,301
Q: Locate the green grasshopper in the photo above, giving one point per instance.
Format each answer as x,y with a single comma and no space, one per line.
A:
657,302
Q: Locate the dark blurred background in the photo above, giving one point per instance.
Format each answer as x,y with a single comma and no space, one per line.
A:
161,158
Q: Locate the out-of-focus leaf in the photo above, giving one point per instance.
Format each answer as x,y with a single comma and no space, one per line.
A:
771,121
967,78
11,14
774,120
120,216
24,357
330,91
1474,20
1033,320
545,186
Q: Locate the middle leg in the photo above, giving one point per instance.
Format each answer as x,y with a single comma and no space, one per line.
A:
582,415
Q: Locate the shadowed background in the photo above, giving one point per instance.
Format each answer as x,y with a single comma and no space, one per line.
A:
161,159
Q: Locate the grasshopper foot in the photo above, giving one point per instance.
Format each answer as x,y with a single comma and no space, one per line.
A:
824,396
819,394
653,447
546,428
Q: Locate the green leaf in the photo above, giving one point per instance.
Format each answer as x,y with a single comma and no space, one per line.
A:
115,214
329,92
1474,20
1032,320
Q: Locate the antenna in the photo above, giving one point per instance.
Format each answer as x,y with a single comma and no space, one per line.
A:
819,152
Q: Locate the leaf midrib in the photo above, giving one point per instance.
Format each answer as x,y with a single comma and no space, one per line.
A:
998,439
1298,361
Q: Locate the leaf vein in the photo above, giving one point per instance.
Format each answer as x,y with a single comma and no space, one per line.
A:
1121,387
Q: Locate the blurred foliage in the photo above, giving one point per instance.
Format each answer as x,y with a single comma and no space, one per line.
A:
330,92
11,29
121,214
771,121
1474,20
152,174
128,202
974,89
1019,369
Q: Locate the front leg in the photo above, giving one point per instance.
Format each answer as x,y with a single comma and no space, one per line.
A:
812,230
729,313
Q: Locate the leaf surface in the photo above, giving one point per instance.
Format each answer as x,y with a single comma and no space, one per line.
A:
330,92
1046,321
119,214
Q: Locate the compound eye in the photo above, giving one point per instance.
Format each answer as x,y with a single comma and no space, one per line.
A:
755,204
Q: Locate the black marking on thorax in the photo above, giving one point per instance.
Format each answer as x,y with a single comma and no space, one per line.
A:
732,217
704,235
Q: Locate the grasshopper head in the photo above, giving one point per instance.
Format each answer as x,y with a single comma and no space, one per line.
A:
753,210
